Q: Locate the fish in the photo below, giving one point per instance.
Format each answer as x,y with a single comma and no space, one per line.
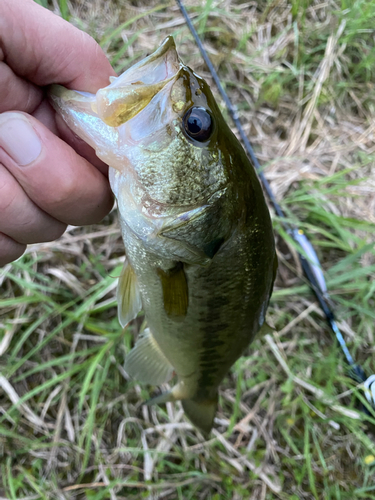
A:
200,251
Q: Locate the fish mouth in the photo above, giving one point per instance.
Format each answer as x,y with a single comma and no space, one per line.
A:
136,111
131,92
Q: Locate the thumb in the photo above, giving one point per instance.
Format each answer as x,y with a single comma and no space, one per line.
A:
52,174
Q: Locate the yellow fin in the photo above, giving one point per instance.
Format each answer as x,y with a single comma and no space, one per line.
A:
175,290
201,413
146,362
129,301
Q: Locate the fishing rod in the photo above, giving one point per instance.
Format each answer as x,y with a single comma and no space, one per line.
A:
308,257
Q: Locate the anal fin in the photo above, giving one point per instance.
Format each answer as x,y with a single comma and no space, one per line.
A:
129,301
146,362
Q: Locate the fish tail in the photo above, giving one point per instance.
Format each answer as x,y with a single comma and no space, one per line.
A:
201,413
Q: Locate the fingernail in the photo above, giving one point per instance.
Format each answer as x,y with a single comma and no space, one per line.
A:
19,139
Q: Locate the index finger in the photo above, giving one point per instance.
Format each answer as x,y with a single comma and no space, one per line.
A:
45,49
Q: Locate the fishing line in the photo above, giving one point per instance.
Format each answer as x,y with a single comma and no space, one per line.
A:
308,257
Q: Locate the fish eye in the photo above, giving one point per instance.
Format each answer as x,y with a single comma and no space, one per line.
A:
198,124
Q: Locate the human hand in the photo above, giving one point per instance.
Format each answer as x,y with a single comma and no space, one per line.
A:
48,177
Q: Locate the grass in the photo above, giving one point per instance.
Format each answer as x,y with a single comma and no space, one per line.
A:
72,425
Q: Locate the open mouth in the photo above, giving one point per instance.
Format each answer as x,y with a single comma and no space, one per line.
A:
119,116
131,92
127,94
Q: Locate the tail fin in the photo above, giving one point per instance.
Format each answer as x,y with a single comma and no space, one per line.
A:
201,413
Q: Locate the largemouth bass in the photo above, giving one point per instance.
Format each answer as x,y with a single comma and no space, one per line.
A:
200,252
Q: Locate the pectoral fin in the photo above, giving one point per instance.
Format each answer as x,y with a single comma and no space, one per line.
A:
128,295
146,362
175,290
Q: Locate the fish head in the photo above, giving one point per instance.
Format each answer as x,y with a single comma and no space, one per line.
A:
158,126
169,130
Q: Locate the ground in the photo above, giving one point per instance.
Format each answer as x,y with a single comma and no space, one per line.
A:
289,425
